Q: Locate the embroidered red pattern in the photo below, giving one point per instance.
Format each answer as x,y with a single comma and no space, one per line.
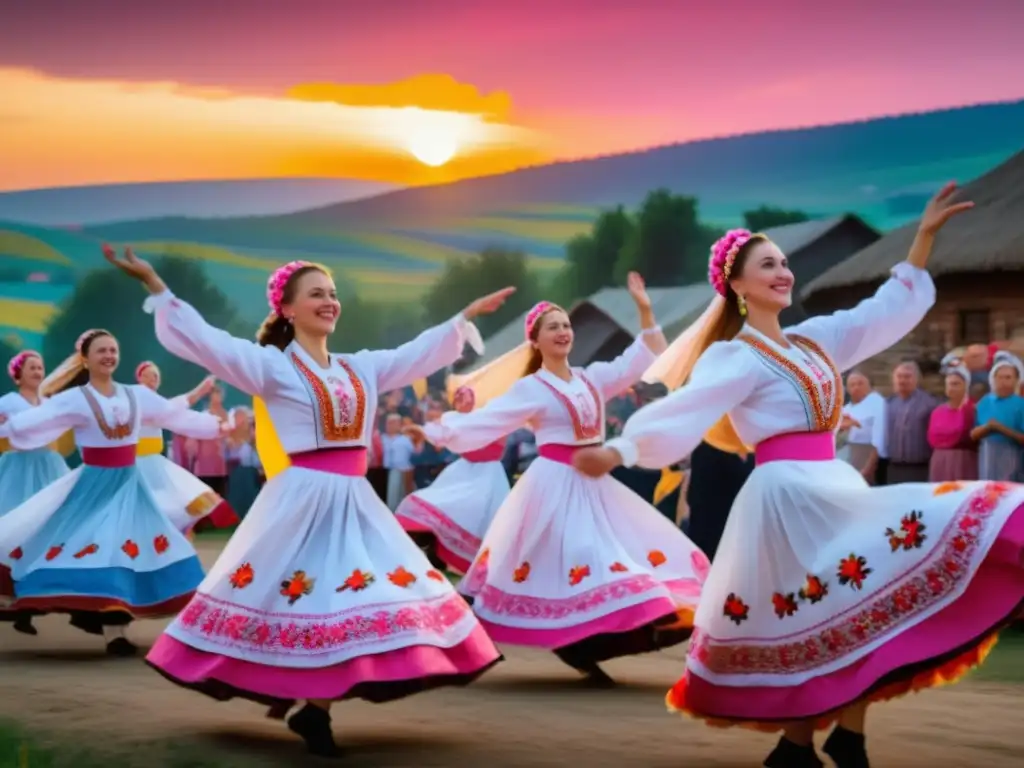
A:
853,570
581,431
932,581
119,431
230,625
333,431
91,549
457,539
910,535
735,610
242,576
296,587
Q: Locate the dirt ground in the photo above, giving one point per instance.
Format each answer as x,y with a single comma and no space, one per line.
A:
529,711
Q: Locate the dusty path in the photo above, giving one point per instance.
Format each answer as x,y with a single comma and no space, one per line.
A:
530,711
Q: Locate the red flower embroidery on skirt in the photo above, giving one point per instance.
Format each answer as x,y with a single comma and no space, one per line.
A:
735,609
784,605
297,586
521,574
656,557
435,575
357,581
16,554
53,552
242,577
483,558
401,577
853,570
944,488
578,574
130,548
910,535
89,550
161,544
617,567
814,590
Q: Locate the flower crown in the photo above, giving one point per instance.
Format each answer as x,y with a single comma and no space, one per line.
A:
142,367
723,254
87,336
18,362
535,314
279,279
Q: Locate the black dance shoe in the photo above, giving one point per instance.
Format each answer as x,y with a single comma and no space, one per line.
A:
24,625
122,648
89,623
788,754
847,748
313,724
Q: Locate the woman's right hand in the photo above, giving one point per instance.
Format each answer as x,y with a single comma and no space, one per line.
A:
415,433
135,267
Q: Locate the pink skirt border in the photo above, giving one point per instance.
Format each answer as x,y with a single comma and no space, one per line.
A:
992,599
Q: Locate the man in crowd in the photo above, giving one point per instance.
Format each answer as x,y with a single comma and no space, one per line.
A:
907,413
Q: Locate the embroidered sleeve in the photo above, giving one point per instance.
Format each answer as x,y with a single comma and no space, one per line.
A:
616,376
851,336
432,350
157,411
464,432
37,427
244,364
667,430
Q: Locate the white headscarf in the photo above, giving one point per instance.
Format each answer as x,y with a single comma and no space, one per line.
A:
1001,360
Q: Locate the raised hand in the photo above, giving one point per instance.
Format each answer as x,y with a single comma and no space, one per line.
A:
205,387
941,209
135,267
415,433
638,290
485,305
596,461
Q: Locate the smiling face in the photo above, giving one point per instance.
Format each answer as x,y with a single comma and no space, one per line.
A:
552,335
101,355
311,302
150,377
32,372
764,278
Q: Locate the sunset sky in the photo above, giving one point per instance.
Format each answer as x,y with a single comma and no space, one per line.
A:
150,90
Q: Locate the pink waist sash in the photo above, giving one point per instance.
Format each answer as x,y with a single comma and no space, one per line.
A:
796,446
350,462
492,452
562,453
109,458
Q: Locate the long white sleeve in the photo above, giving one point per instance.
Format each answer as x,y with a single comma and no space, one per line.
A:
614,377
39,426
667,430
851,336
158,411
463,432
183,332
429,352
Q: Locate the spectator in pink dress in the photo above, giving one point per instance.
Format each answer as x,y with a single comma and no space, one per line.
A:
954,454
210,463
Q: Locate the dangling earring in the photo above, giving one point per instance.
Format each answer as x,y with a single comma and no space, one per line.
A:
742,304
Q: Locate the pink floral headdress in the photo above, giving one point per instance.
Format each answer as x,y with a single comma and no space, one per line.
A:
18,362
279,279
141,367
535,314
91,333
723,254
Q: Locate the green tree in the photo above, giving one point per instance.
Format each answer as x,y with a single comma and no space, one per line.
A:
368,324
669,245
466,279
767,216
6,353
105,299
590,259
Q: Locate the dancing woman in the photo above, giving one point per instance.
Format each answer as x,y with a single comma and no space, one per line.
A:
25,473
451,515
182,496
826,593
319,595
587,569
95,543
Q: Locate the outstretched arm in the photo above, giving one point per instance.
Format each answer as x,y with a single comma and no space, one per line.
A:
852,336
166,414
463,432
39,426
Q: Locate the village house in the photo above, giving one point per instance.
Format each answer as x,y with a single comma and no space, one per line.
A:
978,266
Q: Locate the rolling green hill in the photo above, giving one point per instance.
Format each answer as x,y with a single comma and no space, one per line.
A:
391,247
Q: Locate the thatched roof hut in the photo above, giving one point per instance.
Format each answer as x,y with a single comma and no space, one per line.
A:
989,238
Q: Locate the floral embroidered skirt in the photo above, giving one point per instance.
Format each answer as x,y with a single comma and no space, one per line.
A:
825,591
456,509
24,473
320,594
95,540
182,496
572,563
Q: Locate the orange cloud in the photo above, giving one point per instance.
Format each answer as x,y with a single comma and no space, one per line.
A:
437,92
105,131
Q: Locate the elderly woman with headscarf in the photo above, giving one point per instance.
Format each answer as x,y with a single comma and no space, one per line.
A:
1000,421
955,452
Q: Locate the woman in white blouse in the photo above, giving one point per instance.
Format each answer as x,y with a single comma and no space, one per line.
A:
96,544
319,595
826,594
585,568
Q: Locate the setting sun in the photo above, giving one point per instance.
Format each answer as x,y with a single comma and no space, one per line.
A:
433,148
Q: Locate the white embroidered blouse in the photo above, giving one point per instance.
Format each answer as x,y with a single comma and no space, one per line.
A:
558,411
768,389
311,407
99,421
